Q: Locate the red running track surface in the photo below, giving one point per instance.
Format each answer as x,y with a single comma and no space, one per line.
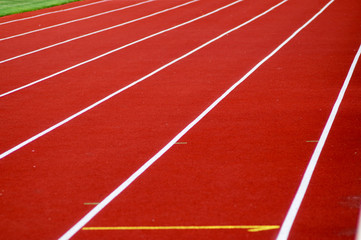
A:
240,165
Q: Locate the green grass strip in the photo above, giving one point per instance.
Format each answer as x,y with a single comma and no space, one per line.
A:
8,7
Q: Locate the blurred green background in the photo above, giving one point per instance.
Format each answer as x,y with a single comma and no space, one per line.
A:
8,7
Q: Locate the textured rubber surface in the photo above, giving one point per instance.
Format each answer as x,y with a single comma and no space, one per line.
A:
240,165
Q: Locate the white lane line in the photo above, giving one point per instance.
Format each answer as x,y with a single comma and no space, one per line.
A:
26,142
358,228
296,203
117,49
75,20
72,231
96,32
48,13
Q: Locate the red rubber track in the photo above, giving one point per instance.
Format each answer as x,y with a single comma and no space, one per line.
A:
76,92
331,207
66,56
241,165
270,160
23,44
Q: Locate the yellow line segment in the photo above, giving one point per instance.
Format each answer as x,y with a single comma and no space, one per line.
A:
95,203
250,228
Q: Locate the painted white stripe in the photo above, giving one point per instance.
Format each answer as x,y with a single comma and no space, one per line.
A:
76,20
117,49
296,203
48,13
17,147
358,230
96,32
135,175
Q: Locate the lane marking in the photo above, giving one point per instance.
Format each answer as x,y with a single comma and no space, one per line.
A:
96,203
76,20
250,228
312,141
181,143
358,228
80,224
48,13
109,198
98,31
117,49
296,203
26,142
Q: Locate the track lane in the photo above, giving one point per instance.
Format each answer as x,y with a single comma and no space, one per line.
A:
87,90
20,45
304,184
335,187
33,195
332,227
70,161
112,40
179,174
95,32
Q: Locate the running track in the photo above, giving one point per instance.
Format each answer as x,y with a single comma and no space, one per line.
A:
226,122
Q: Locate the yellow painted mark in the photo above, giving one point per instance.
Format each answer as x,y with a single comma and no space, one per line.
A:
263,228
181,143
250,228
312,141
91,203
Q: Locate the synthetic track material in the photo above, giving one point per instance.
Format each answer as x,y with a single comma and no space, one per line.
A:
240,165
287,225
119,48
132,178
138,81
96,32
